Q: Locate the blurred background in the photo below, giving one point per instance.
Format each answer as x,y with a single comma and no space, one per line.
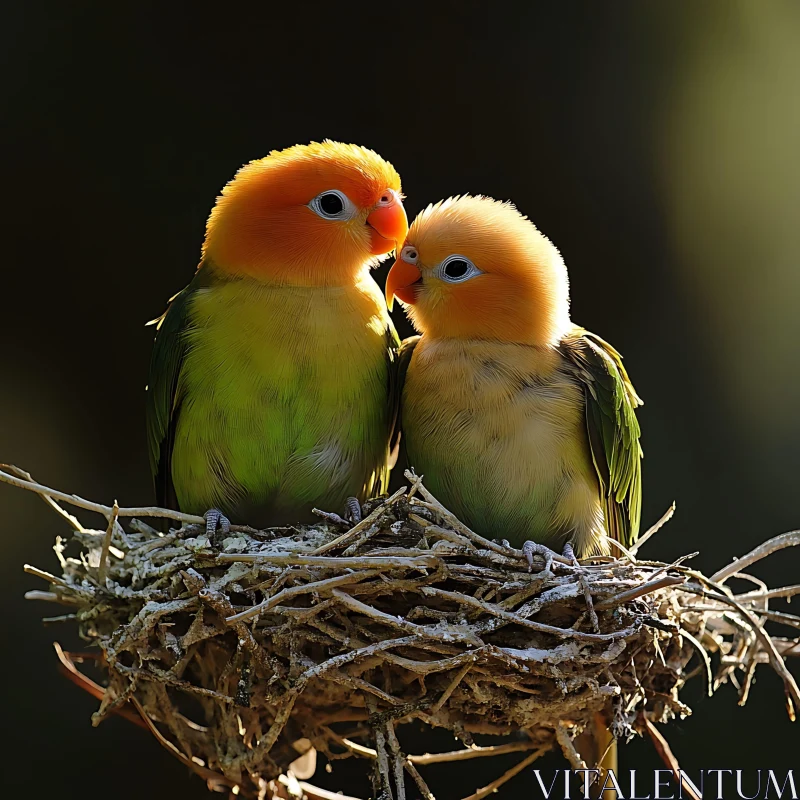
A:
655,144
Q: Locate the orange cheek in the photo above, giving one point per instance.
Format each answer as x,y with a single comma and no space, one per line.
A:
296,246
480,308
450,309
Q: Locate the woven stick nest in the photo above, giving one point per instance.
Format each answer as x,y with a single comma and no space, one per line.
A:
242,650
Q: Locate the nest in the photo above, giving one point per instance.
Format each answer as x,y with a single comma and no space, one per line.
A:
242,650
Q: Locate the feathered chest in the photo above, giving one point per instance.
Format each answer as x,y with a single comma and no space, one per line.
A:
512,404
282,399
254,339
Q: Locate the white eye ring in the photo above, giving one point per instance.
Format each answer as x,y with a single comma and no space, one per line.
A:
409,254
456,269
388,198
325,205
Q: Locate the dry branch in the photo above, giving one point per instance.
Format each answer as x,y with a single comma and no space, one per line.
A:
317,637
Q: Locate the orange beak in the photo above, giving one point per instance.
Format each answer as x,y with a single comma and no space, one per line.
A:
402,282
389,227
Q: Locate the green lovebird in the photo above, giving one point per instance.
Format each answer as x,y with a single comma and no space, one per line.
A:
521,423
269,387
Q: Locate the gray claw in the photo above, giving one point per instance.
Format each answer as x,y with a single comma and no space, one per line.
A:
216,520
530,549
352,510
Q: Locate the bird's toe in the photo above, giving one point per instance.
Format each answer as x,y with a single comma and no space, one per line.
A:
216,520
352,510
531,549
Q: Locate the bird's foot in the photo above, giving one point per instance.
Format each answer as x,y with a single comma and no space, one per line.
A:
216,521
569,554
531,549
352,514
502,542
352,510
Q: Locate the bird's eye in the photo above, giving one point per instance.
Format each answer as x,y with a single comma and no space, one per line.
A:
409,254
457,269
332,204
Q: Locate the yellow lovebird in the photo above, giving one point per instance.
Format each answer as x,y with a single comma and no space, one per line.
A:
522,423
269,388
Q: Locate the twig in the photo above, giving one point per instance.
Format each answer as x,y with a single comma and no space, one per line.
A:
458,525
359,562
654,529
68,668
787,647
21,473
88,505
750,671
786,591
568,748
674,565
791,539
112,522
427,794
779,616
451,688
508,616
398,760
213,778
638,591
316,793
701,651
308,649
353,548
353,747
380,616
492,787
331,516
46,576
416,482
280,789
382,760
146,675
365,523
621,547
790,685
472,752
267,741
363,686
663,749
587,593
49,597
305,588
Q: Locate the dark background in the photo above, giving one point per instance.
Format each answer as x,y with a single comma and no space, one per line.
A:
656,144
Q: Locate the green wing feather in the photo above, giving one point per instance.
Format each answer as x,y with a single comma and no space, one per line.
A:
162,403
400,356
612,429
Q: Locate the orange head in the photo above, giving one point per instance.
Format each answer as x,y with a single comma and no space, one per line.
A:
311,215
475,268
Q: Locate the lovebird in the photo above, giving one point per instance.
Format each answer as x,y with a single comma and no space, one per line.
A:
269,385
522,423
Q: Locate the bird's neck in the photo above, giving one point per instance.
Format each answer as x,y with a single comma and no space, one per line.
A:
299,276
